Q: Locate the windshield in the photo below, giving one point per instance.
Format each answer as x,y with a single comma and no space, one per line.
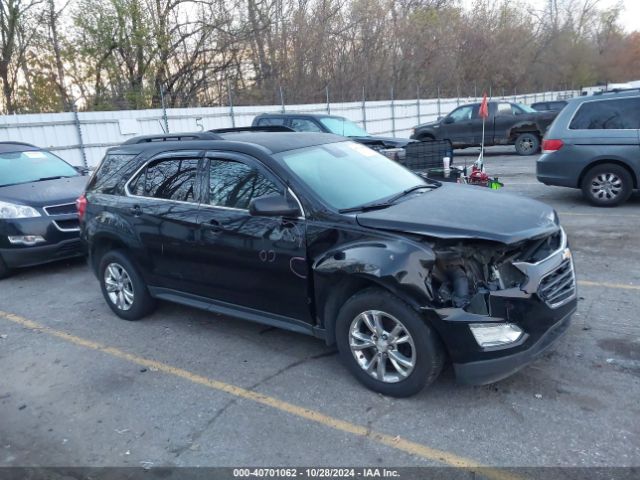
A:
526,108
347,174
344,127
24,167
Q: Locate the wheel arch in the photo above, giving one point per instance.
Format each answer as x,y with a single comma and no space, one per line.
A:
524,127
614,161
101,244
397,266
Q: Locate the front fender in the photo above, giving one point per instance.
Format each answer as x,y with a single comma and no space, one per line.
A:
399,265
421,132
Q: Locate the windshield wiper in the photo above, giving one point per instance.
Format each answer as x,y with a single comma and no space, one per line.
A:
390,200
52,178
365,207
411,190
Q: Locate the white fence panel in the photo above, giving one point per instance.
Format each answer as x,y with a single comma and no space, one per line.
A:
59,132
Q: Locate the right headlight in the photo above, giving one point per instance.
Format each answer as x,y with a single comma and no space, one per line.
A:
13,210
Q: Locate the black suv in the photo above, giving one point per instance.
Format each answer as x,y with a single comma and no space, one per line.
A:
321,235
38,217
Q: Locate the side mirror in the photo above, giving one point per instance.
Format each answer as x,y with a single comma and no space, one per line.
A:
276,205
448,120
439,118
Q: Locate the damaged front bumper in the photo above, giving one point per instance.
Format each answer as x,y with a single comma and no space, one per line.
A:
541,307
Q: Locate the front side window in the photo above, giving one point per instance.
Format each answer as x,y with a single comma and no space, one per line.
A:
347,174
171,179
33,166
462,114
234,184
620,114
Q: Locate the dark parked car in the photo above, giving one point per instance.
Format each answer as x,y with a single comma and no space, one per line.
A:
38,218
551,106
320,235
507,124
308,122
594,145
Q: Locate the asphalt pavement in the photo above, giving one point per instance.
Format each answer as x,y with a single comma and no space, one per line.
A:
78,386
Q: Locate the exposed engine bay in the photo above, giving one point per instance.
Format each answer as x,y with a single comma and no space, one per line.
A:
463,269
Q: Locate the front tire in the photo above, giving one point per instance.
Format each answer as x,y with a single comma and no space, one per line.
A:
123,288
386,345
527,144
607,185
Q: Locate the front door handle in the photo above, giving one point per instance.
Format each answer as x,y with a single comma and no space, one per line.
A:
136,211
212,224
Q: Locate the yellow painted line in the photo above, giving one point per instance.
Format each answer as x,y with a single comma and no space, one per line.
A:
391,441
622,286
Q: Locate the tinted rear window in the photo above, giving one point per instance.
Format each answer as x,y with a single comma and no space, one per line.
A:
620,114
105,177
172,179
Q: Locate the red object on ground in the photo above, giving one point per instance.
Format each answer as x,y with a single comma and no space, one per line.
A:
478,177
484,107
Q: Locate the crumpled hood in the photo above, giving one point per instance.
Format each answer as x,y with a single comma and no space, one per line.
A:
464,211
47,192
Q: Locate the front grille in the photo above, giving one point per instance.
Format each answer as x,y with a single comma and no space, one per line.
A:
67,225
66,209
558,286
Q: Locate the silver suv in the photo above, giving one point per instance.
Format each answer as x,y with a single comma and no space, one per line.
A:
594,144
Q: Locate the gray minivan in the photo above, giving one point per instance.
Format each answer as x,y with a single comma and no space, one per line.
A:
594,144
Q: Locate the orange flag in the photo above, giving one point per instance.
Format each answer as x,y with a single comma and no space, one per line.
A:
484,107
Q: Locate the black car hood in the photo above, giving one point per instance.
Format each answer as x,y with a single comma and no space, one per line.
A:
387,142
47,192
462,211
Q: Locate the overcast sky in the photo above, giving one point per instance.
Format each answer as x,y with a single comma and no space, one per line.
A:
630,18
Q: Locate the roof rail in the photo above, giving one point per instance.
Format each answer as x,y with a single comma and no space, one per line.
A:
263,128
617,90
173,137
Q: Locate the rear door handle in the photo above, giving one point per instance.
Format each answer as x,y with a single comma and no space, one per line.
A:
136,211
212,224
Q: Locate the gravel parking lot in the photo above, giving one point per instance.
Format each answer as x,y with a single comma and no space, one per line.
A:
186,388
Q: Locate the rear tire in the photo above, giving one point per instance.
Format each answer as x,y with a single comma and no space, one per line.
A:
607,185
407,360
4,270
527,144
123,288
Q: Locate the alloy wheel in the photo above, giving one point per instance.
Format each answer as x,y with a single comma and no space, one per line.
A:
382,346
119,286
606,186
